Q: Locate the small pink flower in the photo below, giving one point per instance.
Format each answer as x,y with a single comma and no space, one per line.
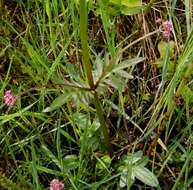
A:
167,29
9,98
167,26
166,35
56,185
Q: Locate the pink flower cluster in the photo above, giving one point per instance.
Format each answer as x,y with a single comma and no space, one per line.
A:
167,29
56,185
9,98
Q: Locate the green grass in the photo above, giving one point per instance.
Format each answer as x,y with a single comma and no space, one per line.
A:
102,101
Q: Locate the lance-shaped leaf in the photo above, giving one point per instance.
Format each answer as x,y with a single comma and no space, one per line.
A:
146,176
58,102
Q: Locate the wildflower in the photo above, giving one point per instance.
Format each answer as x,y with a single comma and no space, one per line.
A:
167,25
56,185
9,98
166,35
167,29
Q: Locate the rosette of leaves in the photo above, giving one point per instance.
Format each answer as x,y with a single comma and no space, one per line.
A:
107,74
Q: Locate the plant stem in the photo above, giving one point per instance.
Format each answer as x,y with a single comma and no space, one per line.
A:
88,70
99,110
84,42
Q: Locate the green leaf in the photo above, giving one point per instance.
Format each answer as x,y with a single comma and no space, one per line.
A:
187,94
104,162
135,157
125,65
128,7
162,46
117,82
132,10
124,179
81,120
131,3
128,3
58,102
50,155
42,169
70,162
38,61
117,2
146,176
124,74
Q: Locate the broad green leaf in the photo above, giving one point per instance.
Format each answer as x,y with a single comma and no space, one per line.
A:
128,3
70,162
131,3
132,10
58,102
162,46
117,2
146,176
128,7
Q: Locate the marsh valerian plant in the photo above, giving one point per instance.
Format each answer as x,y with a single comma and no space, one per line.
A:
111,72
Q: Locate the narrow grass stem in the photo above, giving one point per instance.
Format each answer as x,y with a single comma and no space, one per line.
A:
170,109
184,80
160,130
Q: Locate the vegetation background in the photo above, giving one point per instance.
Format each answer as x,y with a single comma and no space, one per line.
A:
104,94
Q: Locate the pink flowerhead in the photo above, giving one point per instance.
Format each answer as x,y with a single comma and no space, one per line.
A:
9,98
167,29
56,185
166,35
167,26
